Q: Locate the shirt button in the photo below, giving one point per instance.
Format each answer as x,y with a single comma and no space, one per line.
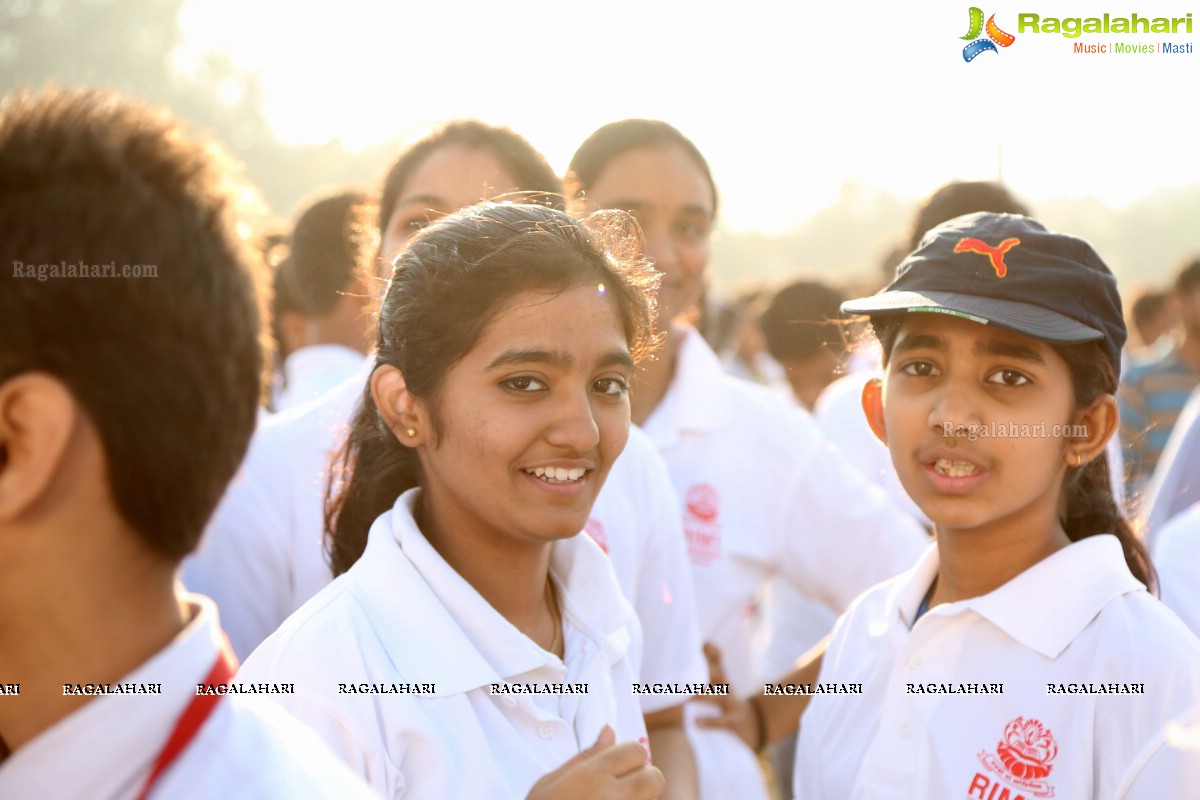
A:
546,730
916,662
905,730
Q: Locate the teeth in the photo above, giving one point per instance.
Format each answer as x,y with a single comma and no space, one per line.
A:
557,474
954,469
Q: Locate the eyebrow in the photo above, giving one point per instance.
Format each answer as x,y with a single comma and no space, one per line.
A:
558,359
637,205
919,341
431,202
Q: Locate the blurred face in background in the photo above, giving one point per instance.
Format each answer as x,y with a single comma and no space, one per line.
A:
450,178
670,196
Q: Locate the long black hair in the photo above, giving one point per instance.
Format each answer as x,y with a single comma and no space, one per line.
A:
449,281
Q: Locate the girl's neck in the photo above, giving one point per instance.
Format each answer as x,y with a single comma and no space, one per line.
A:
653,378
976,562
511,577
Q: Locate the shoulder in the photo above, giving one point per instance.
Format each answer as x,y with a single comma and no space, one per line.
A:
253,749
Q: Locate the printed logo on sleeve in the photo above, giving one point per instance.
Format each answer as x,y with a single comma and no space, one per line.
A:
595,529
1022,760
702,504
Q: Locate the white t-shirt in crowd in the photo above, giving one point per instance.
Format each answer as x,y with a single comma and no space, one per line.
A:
1175,484
426,652
1170,767
312,371
929,721
246,748
763,495
1176,557
263,553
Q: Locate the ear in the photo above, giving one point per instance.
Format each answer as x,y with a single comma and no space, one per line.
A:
404,415
872,403
37,417
1099,421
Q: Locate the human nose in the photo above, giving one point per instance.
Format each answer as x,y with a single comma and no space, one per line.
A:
955,404
573,423
660,247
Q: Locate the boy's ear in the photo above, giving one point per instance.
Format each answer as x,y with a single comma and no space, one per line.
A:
872,403
37,417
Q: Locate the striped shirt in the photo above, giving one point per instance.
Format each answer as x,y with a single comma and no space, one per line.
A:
1151,396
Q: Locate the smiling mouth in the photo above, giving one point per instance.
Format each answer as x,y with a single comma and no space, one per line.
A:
557,474
954,469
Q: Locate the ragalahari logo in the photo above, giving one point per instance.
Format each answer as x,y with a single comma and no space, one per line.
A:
979,44
994,254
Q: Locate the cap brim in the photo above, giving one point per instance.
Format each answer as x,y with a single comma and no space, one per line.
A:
1025,318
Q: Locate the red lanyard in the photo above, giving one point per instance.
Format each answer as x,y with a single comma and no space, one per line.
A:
192,718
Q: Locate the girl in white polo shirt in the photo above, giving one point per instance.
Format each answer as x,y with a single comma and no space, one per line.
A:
1023,656
473,643
761,494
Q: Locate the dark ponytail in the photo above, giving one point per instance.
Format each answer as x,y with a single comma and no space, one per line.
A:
449,282
1090,507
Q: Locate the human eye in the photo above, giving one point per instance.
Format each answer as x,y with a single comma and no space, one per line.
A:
690,229
524,384
613,387
920,369
1008,377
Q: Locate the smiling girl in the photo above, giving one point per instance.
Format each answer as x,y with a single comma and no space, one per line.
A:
447,659
1023,655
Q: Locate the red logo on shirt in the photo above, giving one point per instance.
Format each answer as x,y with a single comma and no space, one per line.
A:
702,502
700,524
595,529
1022,759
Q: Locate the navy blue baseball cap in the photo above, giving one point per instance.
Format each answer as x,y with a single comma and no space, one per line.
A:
1008,270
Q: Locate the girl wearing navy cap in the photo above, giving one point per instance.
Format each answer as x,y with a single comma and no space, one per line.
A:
1023,656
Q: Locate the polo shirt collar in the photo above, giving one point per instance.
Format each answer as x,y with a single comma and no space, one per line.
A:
1033,607
473,645
698,398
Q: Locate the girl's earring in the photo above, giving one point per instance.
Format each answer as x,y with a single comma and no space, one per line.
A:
412,432
1078,459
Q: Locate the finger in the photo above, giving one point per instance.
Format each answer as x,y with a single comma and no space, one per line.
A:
716,665
620,760
646,783
606,739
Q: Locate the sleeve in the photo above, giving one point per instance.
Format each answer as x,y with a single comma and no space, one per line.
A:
665,597
242,562
1177,559
1171,762
841,534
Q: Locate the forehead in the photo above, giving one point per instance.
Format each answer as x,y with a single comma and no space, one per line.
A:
660,175
455,176
579,320
945,331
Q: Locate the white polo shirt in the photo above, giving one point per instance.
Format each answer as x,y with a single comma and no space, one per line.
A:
402,618
263,555
762,494
312,371
1176,556
1054,637
245,749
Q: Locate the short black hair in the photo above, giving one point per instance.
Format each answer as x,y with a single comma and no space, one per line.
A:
159,341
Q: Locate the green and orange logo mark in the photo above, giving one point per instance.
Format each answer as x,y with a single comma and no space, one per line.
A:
994,37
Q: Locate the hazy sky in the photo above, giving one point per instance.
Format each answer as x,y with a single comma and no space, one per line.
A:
787,101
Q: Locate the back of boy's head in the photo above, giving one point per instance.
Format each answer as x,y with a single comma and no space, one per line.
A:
333,241
166,366
963,197
801,321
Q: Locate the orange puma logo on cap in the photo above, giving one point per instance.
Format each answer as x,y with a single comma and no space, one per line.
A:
994,254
